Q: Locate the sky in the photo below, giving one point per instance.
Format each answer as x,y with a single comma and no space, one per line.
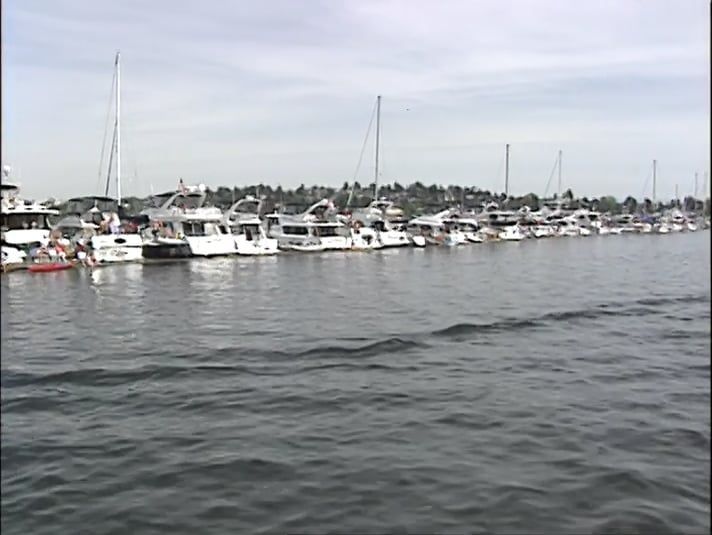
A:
237,92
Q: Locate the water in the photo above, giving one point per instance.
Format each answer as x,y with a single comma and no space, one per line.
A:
558,386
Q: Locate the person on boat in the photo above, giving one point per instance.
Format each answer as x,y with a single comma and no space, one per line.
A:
60,251
115,224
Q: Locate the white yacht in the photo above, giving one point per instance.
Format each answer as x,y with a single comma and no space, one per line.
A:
441,228
184,219
116,241
25,225
243,220
96,219
387,222
470,227
310,231
12,257
206,233
427,229
511,233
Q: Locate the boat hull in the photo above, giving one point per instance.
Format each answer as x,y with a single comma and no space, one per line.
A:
162,251
115,248
261,247
49,267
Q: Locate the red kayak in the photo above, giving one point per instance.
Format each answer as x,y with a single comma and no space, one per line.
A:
49,266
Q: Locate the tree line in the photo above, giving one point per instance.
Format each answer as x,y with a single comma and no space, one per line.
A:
418,198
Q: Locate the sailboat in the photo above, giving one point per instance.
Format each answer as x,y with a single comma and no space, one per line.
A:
380,224
114,244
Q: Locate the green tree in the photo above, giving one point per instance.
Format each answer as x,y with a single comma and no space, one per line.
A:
630,204
607,204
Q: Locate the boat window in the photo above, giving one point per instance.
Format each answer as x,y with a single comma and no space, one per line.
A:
189,201
251,232
327,231
24,221
295,230
247,207
194,228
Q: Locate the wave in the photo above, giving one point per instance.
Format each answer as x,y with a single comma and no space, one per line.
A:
114,377
368,350
631,308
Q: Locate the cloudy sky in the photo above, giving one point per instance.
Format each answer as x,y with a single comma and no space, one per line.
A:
233,92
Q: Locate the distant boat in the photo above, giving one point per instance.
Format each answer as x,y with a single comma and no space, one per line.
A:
243,220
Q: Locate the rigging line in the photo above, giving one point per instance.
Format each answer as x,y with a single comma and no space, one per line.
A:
360,158
106,129
111,159
546,191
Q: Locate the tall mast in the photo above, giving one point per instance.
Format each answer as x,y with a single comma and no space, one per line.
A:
506,170
655,178
378,142
694,195
118,128
559,196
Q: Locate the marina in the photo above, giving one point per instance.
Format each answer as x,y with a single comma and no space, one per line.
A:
179,226
355,267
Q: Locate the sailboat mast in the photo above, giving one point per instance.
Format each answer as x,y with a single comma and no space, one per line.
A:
559,196
378,143
506,170
118,128
655,178
694,195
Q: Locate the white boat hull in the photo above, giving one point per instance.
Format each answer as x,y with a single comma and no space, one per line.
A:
473,237
365,239
336,243
12,256
115,248
511,234
307,248
418,241
219,245
26,237
393,238
260,247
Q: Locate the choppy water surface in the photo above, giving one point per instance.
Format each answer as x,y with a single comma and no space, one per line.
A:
558,386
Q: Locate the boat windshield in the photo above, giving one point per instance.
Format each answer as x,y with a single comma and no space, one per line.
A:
247,207
82,206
